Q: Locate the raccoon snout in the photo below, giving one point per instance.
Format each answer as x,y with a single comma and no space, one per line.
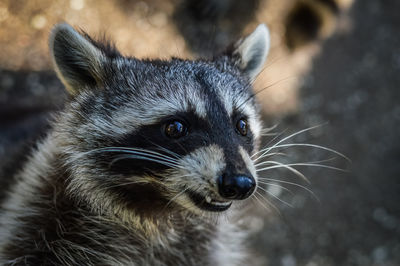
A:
236,186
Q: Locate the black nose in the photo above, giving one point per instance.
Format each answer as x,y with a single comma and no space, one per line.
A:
236,187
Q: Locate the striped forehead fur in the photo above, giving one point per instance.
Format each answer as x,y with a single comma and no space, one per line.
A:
123,107
133,102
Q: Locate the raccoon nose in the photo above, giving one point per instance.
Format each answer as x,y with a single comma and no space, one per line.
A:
236,187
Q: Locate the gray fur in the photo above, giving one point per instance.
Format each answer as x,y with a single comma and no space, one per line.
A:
75,58
252,51
70,206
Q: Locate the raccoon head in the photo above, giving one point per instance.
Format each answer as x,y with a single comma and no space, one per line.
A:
143,136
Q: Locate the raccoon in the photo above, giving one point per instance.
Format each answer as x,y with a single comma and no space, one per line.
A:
147,164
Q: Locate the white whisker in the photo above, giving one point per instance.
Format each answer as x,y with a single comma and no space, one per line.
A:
267,201
269,142
177,156
267,131
260,202
311,145
143,152
276,197
289,183
134,150
178,194
139,157
287,166
124,184
271,154
299,164
266,150
313,162
276,185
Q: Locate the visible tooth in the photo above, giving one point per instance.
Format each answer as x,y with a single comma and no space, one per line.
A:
208,199
221,203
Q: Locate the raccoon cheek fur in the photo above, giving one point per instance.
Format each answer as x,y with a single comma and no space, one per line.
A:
142,161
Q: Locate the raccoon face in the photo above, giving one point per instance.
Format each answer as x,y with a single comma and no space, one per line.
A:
151,135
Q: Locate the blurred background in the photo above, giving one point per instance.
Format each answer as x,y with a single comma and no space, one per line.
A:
334,64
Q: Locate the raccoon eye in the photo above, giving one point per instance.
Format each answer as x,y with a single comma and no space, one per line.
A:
175,129
242,127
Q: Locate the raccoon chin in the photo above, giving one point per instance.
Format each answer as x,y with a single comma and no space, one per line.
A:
206,203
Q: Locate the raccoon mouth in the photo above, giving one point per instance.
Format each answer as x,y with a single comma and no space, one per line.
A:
209,204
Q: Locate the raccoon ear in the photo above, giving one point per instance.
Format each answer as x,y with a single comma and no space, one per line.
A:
250,53
78,62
